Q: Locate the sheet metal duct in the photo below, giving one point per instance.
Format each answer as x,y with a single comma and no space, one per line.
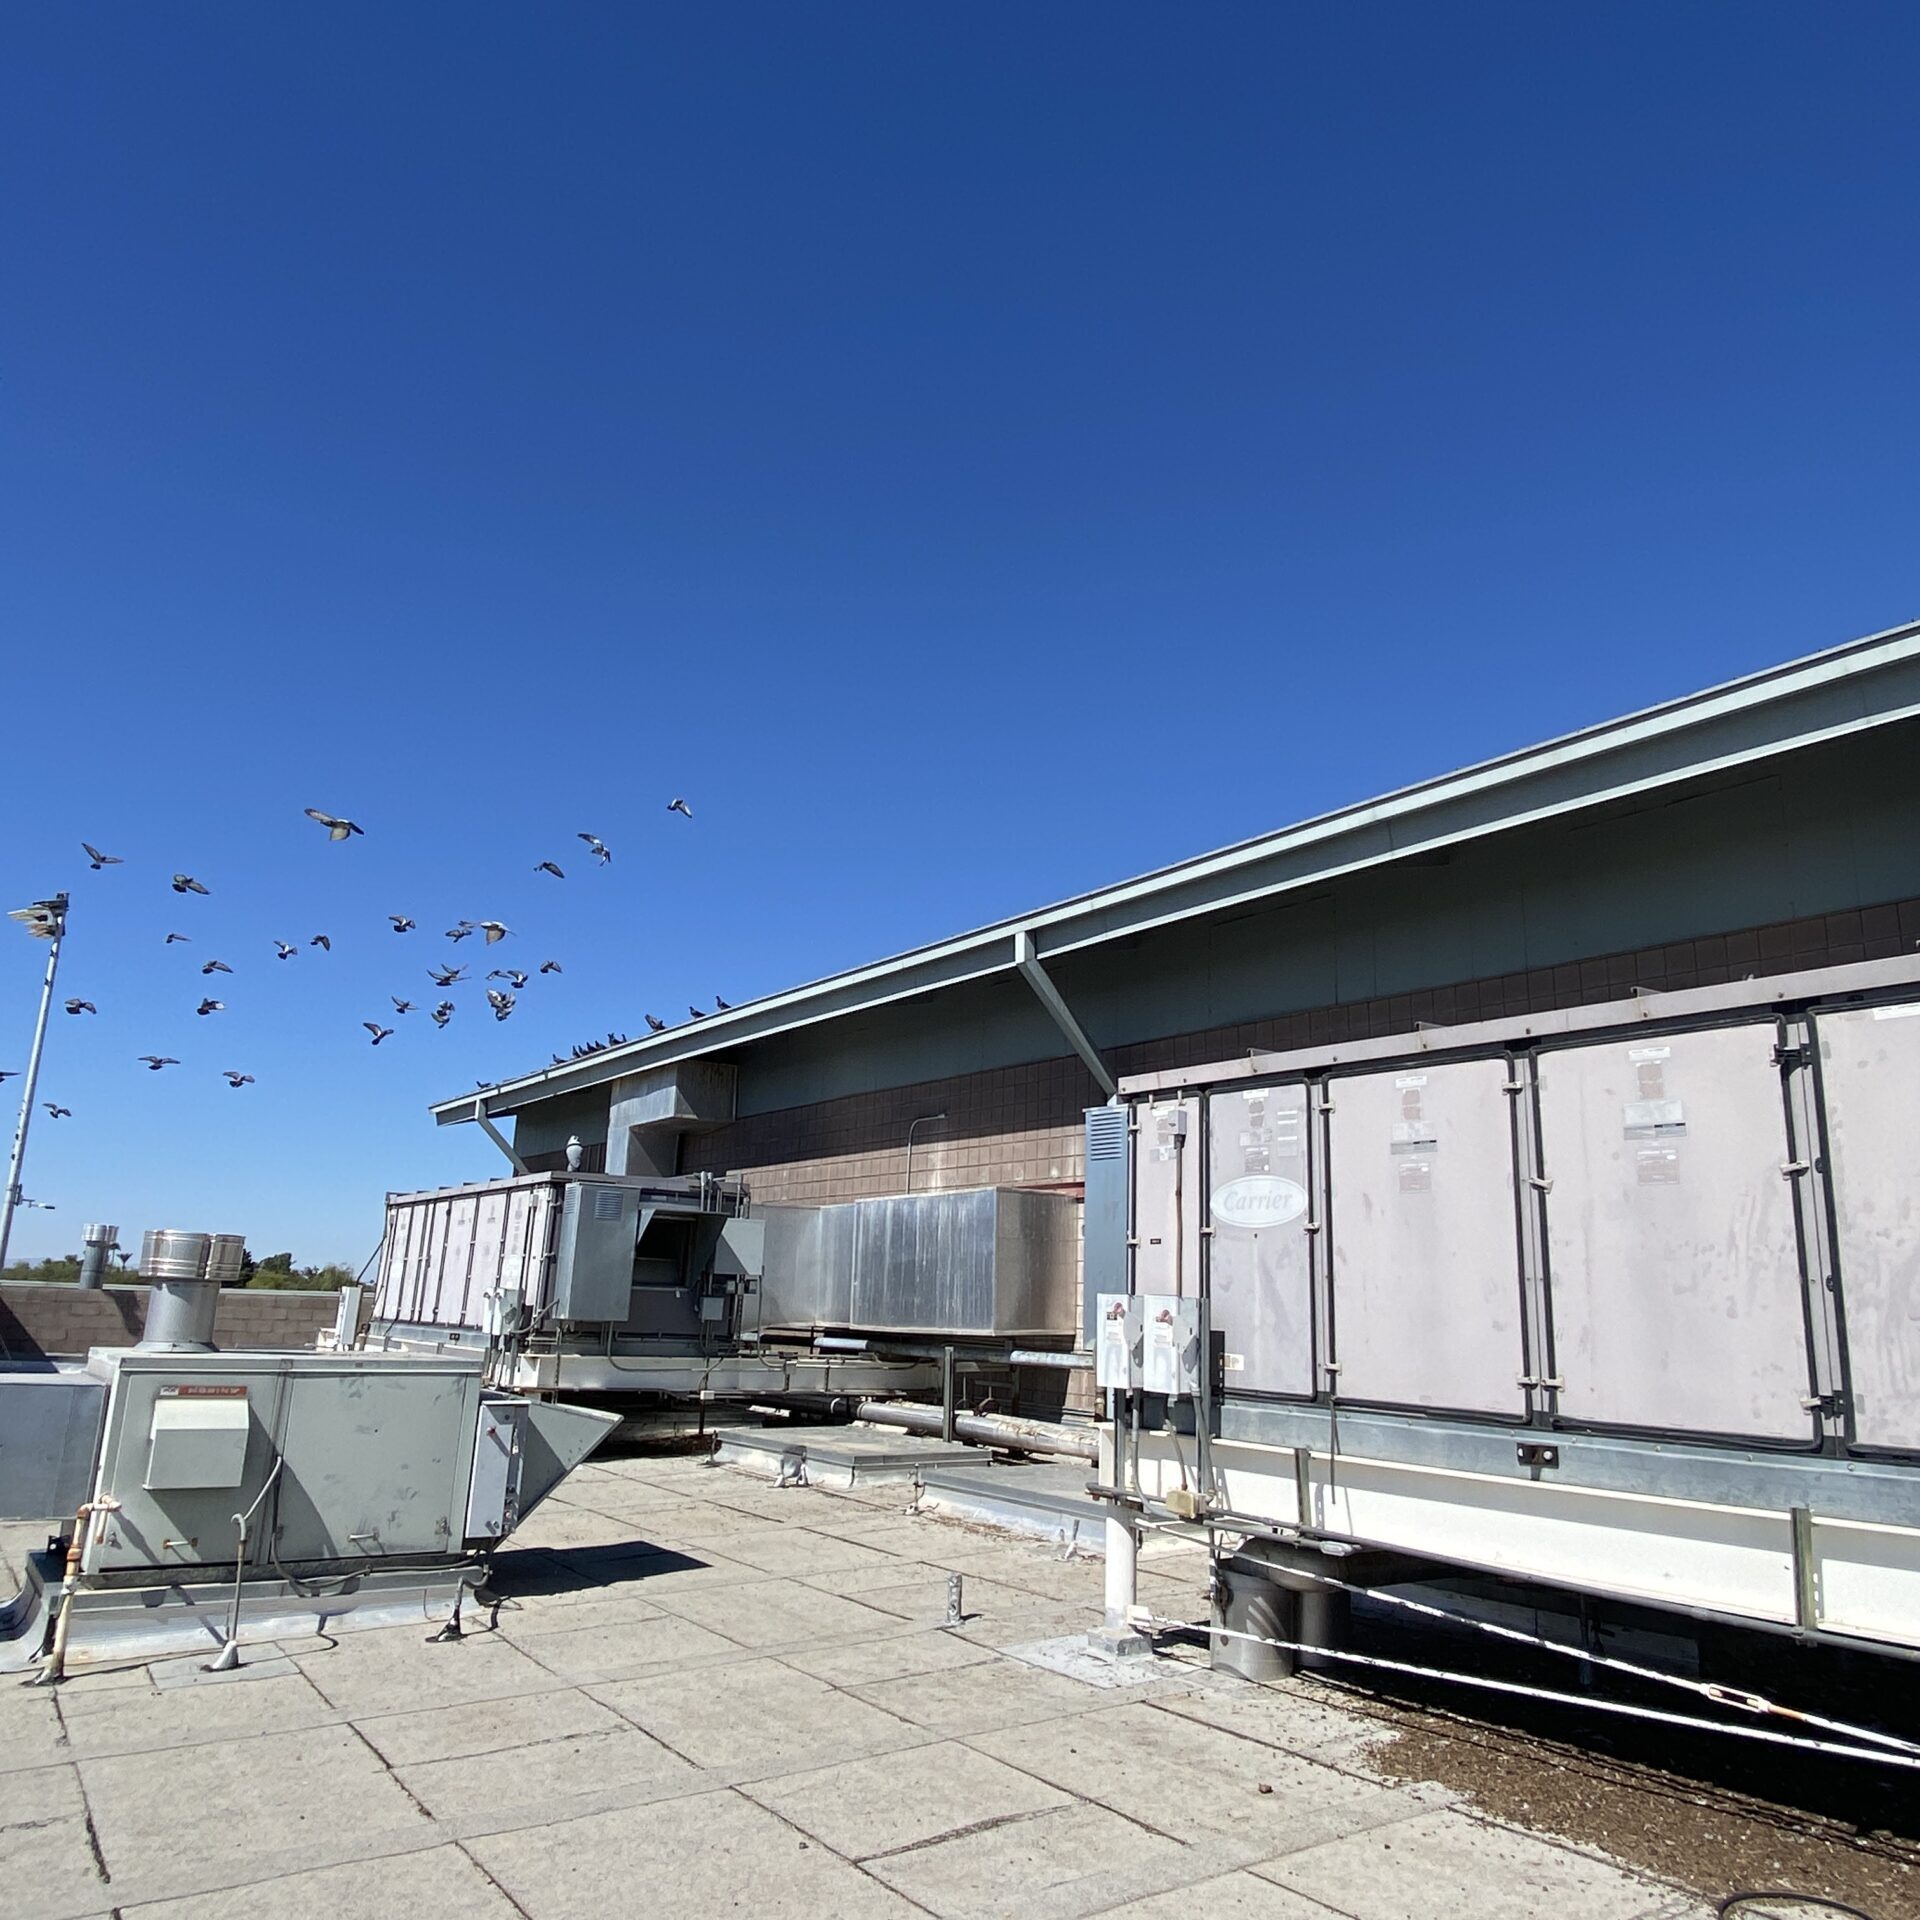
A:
986,1262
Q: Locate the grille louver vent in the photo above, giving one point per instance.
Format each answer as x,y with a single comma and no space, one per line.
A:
1107,1133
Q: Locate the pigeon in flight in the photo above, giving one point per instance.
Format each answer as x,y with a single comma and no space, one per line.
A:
399,1005
551,966
511,975
186,939
155,1061
596,846
657,1026
281,951
96,859
320,940
59,1113
547,866
211,1006
10,1073
501,1003
81,1006
336,829
461,931
446,976
237,1079
379,1032
680,806
186,883
443,1013
401,924
493,930
725,1006
216,966
696,1012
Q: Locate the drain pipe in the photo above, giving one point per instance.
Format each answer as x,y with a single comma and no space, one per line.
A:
55,1669
982,1430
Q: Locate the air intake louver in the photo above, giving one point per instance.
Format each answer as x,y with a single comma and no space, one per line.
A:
1107,1133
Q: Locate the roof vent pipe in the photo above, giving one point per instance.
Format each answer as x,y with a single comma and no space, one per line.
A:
97,1246
184,1274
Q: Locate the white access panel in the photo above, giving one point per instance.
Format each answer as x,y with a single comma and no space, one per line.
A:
1424,1243
1674,1261
467,1308
1260,1268
460,1217
197,1438
1870,1079
1169,1198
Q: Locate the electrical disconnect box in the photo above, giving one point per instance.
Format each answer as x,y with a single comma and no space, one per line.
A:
503,1313
1170,1345
593,1256
1116,1350
493,1495
198,1438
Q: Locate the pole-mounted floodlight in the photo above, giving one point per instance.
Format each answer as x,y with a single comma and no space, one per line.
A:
45,920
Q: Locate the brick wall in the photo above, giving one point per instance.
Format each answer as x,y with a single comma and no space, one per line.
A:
40,1321
1020,1126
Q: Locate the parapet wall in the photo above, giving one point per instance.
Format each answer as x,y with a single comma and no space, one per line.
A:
43,1321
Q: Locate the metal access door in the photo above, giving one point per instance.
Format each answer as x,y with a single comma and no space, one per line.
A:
1870,1082
1259,1263
1674,1263
1427,1302
1169,1206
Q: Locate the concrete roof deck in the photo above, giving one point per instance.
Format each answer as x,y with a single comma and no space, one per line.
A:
710,1694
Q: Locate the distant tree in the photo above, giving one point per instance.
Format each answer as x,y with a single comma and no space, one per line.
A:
278,1271
274,1270
63,1267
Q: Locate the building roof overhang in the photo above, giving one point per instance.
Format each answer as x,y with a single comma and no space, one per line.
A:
1827,696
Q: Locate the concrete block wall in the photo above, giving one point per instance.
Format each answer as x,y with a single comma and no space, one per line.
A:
46,1322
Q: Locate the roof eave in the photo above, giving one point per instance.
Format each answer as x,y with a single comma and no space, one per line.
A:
1428,815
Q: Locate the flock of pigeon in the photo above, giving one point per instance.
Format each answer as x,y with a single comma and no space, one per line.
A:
501,999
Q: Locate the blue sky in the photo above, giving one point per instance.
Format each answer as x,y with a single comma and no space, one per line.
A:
894,428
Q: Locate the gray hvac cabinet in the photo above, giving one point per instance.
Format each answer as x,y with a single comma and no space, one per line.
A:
593,1256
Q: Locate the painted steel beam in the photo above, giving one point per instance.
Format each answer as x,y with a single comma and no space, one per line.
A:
1037,977
498,1138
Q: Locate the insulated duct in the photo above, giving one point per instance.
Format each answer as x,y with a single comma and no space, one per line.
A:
983,1430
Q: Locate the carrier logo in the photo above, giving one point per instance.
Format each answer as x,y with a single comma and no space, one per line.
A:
1259,1200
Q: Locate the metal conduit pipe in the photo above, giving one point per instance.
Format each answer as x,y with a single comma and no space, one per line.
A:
982,1430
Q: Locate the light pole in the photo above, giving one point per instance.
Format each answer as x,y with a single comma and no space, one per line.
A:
45,920
925,1120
